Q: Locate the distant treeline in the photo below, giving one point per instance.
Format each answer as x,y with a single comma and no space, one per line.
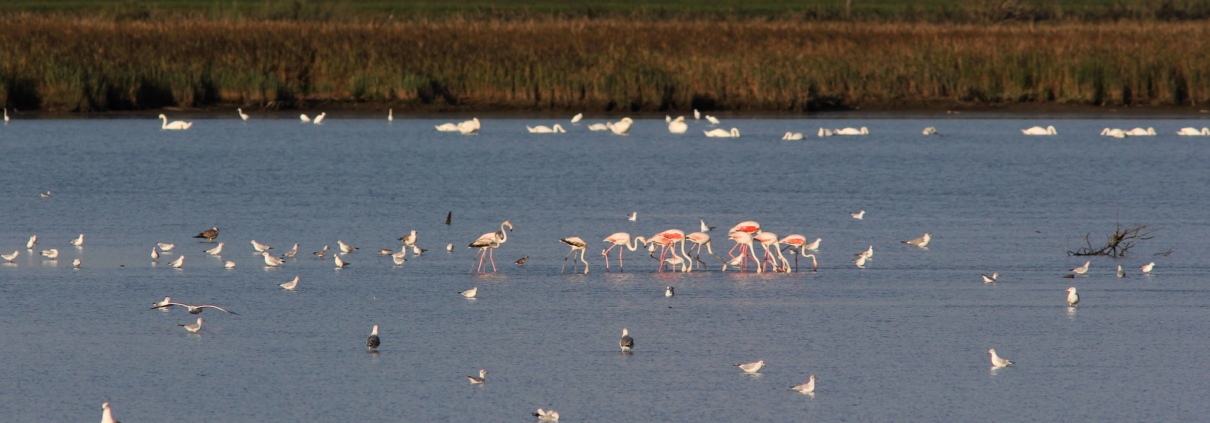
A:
78,64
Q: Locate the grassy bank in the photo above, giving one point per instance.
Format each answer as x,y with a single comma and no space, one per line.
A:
65,64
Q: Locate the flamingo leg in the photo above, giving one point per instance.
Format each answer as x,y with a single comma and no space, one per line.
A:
606,254
493,258
573,268
621,267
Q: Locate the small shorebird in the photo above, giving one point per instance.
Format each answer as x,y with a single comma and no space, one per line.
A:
33,240
385,252
417,250
705,228
340,264
10,257
345,248
859,215
176,264
626,342
1072,297
45,194
209,235
321,253
1082,269
921,242
546,416
291,284
398,258
270,260
449,248
216,250
76,263
193,309
292,252
668,292
520,262
194,327
997,361
633,216
52,253
79,242
478,380
470,293
260,248
1121,273
228,264
165,247
751,367
806,388
990,279
1146,268
373,342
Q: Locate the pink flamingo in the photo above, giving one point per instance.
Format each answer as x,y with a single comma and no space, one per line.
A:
744,241
749,227
488,243
800,245
576,244
667,246
677,236
620,239
701,239
769,239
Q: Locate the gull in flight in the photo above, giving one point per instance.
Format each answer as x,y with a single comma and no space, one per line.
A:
10,257
547,416
270,260
478,380
990,279
340,264
33,240
1072,297
291,284
107,414
751,367
321,253
470,293
921,242
373,342
162,305
668,292
52,253
626,342
209,234
996,360
806,388
345,248
292,252
859,215
260,248
216,250
1121,273
165,247
176,264
193,309
633,216
78,241
228,264
155,254
1146,268
860,261
1082,269
76,263
705,228
194,327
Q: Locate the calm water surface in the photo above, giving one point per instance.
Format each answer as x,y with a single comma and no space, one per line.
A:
905,339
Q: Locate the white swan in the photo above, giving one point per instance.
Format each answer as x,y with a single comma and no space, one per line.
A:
621,127
851,131
469,126
1140,132
545,130
319,118
176,124
303,117
713,120
722,133
825,132
390,115
598,127
793,136
447,127
1038,130
678,125
697,115
1193,131
6,116
1116,133
930,131
242,115
667,119
577,117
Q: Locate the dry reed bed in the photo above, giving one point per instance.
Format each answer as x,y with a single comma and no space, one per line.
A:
82,65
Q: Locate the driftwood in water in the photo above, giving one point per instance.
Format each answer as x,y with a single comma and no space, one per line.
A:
1117,244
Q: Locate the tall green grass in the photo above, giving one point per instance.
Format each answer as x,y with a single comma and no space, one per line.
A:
90,64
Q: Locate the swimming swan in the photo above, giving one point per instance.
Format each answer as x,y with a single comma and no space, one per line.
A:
930,131
598,127
304,118
722,133
319,118
1038,130
1140,132
621,127
793,136
678,125
469,127
577,117
447,127
545,130
176,124
851,131
1116,133
1193,131
825,132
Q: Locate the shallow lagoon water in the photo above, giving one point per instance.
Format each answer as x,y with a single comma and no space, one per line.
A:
903,340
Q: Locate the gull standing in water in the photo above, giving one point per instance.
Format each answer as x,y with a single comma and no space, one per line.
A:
1146,268
10,257
346,248
859,215
1072,297
633,216
417,250
79,242
292,252
216,250
1082,269
260,248
76,263
626,342
291,284
176,264
51,254
806,388
373,342
470,293
270,260
751,367
193,309
868,253
228,264
668,292
860,261
340,264
155,254
546,416
165,247
194,327
33,240
996,360
1121,273
478,380
705,228
107,414
921,242
449,248
990,279
321,253
409,239
209,235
